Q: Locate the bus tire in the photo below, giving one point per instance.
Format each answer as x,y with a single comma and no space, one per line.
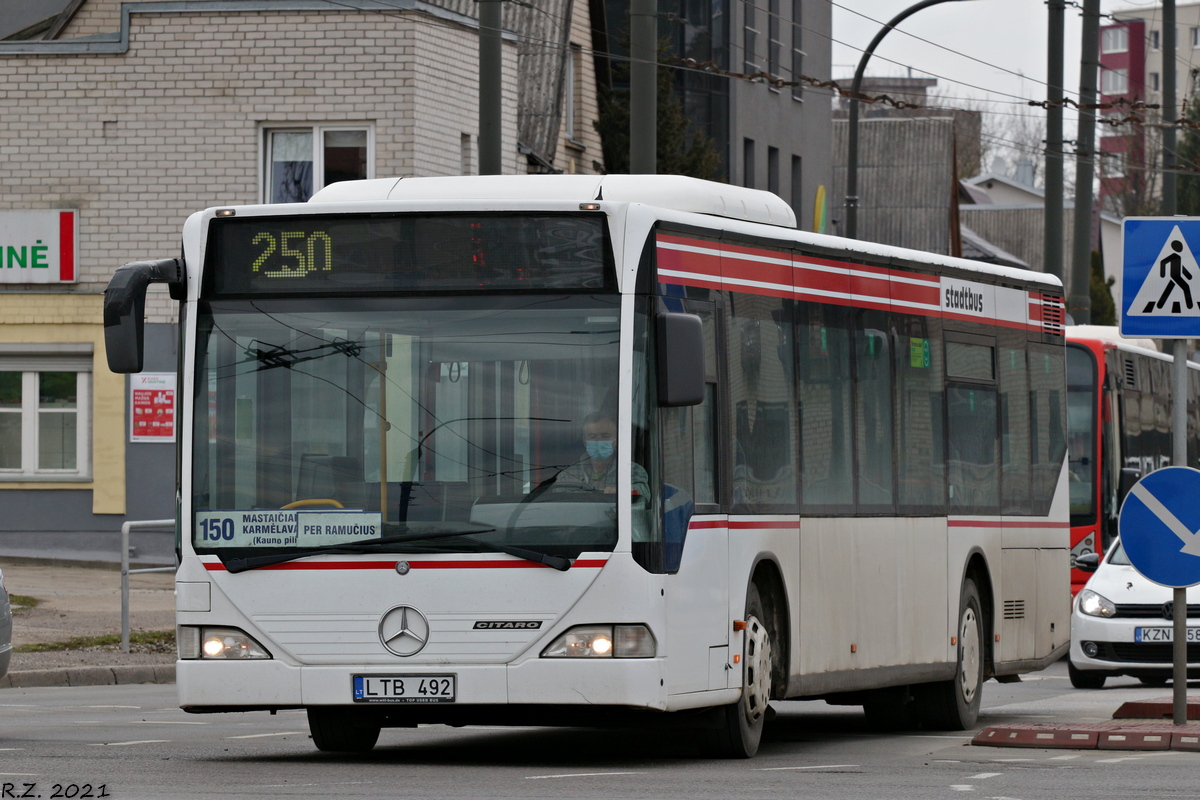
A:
337,731
954,705
735,731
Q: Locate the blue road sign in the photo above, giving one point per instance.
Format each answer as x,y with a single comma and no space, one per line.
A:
1159,526
1160,278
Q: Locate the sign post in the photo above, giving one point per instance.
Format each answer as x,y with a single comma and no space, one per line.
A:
1160,298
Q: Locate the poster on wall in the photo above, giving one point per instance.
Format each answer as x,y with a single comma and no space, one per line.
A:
38,246
152,407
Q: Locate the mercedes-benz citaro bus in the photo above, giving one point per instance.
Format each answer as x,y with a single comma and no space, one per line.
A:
602,450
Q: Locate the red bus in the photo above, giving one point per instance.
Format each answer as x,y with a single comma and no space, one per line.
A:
1119,394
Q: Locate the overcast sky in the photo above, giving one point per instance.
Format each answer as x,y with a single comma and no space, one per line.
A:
985,50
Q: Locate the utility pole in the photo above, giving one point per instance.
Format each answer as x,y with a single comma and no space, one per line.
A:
1053,229
1170,113
1079,302
490,67
643,87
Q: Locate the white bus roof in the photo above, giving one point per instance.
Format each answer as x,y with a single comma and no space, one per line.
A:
666,191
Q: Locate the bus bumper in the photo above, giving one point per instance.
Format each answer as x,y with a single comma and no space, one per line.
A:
249,685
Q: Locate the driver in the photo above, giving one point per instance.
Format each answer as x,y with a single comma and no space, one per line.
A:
597,470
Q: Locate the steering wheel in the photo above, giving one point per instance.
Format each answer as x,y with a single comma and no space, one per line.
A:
315,501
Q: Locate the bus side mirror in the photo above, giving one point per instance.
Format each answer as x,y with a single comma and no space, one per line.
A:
125,309
1088,562
680,359
1129,477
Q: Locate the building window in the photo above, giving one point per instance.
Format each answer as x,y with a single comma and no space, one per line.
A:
773,169
1114,81
301,160
1152,81
1114,40
774,45
571,92
798,188
748,163
44,422
797,52
1154,41
749,38
1194,34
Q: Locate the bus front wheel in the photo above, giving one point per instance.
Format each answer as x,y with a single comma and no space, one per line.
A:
335,730
734,731
954,705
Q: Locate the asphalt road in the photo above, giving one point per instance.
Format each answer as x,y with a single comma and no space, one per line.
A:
134,742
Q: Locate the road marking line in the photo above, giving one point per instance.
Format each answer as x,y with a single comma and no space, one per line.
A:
123,744
985,775
578,775
1117,760
261,735
18,774
821,766
962,787
930,736
1062,758
165,722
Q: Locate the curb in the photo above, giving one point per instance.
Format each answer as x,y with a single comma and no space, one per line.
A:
88,676
1095,736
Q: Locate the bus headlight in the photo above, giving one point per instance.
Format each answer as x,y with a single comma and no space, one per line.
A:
218,643
1096,605
603,641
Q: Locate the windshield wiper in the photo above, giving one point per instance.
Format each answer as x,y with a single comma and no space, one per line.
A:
560,563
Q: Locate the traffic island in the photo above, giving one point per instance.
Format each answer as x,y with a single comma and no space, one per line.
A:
1158,708
1094,736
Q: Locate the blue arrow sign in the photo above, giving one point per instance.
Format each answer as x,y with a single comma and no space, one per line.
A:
1159,526
1160,277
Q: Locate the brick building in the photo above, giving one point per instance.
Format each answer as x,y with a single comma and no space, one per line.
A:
124,118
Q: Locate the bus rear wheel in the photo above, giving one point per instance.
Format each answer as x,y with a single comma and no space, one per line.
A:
954,705
735,731
335,730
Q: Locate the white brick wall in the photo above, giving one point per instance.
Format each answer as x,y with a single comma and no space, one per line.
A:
139,141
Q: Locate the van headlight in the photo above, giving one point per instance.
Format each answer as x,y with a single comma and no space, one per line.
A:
217,643
1096,605
603,641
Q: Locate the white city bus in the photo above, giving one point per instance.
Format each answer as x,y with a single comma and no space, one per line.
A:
839,467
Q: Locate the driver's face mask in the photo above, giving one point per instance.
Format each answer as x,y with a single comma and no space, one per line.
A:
600,450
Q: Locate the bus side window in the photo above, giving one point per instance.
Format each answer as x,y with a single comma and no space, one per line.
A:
920,446
973,475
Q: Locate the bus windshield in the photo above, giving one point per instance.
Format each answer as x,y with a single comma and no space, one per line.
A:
1081,434
346,420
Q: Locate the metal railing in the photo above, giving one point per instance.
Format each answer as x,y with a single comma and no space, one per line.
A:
126,571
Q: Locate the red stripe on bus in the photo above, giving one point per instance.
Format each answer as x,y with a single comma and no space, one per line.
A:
595,563
683,261
66,246
862,286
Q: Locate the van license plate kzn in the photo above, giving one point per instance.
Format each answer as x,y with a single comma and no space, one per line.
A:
405,688
1163,634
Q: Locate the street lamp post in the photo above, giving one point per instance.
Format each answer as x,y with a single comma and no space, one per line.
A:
852,143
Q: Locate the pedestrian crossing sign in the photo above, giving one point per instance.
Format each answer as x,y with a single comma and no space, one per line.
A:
1160,278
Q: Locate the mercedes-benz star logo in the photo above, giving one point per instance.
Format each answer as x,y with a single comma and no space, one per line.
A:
404,631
